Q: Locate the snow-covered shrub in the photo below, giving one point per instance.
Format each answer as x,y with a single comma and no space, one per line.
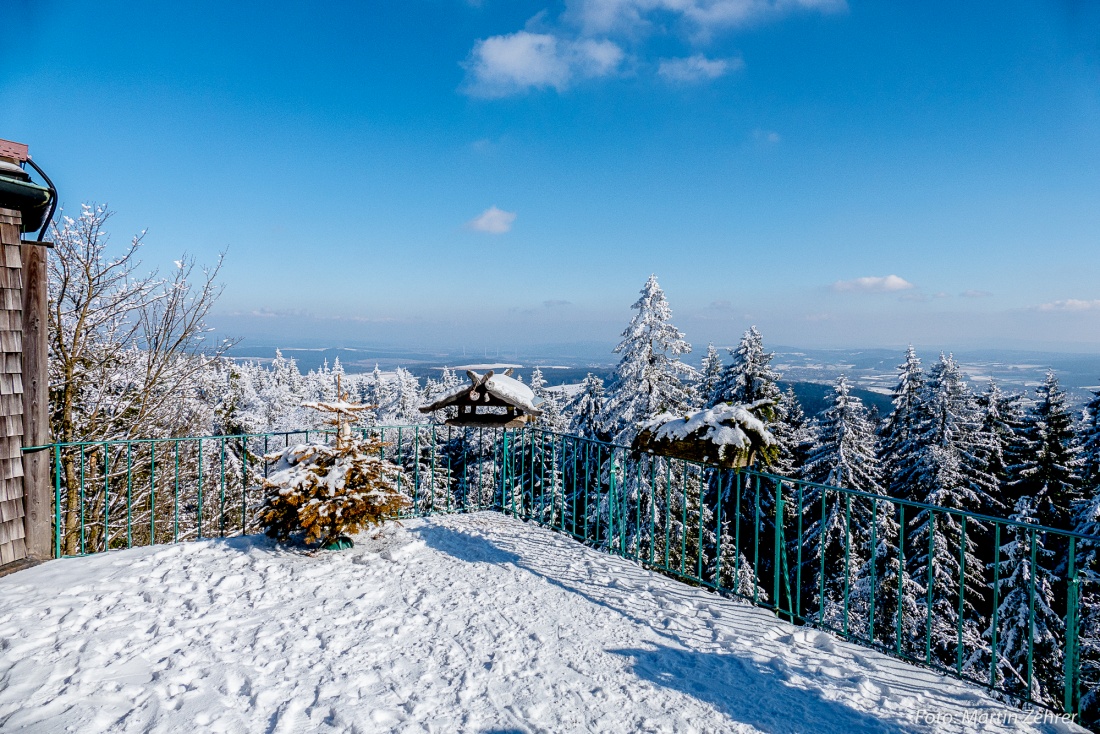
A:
325,491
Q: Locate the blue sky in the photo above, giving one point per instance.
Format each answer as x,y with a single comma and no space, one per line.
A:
440,172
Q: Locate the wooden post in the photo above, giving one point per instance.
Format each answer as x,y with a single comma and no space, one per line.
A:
38,499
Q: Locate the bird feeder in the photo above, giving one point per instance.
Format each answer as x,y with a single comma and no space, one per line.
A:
489,401
17,191
727,436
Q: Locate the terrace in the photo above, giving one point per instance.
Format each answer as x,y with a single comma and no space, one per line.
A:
627,601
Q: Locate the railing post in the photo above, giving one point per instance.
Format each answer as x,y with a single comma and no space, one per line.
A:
1070,663
901,578
56,501
778,541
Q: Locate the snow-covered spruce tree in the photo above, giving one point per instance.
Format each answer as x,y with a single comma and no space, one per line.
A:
950,473
732,565
749,376
476,465
545,478
1089,441
436,389
838,526
710,374
902,432
403,409
552,417
793,435
281,394
327,491
998,419
1088,521
1049,458
650,379
586,410
1024,588
878,580
128,358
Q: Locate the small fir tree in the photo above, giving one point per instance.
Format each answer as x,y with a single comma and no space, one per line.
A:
326,491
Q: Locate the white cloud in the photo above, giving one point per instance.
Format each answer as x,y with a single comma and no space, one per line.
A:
766,136
703,16
1071,304
975,293
697,68
492,221
874,284
587,40
500,66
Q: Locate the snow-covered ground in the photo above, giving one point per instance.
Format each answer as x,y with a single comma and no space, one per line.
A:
474,623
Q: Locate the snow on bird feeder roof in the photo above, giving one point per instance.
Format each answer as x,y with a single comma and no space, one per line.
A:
489,400
729,436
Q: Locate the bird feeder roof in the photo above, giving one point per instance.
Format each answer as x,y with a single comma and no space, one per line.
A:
504,388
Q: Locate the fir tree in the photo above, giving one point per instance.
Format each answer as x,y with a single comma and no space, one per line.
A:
1090,444
902,432
793,435
551,416
586,410
749,376
404,408
711,374
876,596
839,525
1049,458
1027,588
997,418
949,473
650,378
382,395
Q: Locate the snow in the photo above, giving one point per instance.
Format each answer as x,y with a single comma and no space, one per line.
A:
513,391
456,623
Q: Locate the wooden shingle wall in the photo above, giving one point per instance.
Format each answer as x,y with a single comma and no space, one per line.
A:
12,528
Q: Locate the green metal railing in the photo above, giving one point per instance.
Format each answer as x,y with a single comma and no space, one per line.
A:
854,563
